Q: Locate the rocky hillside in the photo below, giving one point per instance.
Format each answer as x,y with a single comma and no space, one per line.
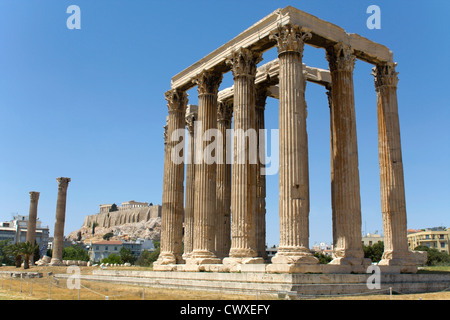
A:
150,229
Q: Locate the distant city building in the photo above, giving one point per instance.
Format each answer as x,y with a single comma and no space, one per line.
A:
16,231
102,249
437,238
324,248
371,238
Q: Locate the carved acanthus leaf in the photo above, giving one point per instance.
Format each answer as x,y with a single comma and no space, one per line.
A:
290,38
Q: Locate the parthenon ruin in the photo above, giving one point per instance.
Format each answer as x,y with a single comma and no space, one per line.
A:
224,209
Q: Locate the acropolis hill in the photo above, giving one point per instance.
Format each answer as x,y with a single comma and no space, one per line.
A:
131,220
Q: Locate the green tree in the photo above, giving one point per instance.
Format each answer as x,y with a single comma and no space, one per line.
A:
147,258
75,252
14,250
323,258
4,255
126,255
95,224
108,236
374,252
112,258
26,249
113,208
435,257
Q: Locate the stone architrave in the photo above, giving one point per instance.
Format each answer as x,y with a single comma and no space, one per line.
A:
261,96
393,204
293,150
223,178
345,184
173,189
243,249
58,238
191,117
205,214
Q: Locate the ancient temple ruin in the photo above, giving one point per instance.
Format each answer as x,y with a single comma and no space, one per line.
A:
224,210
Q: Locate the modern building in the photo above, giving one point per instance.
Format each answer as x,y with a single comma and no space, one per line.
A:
324,248
16,231
102,249
371,238
436,238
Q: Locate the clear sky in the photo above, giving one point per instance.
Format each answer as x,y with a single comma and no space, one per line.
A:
89,104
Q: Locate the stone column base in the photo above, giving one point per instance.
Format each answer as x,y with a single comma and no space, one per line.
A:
199,257
167,258
56,263
351,261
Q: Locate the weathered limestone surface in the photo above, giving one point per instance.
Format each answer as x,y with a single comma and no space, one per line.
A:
205,214
58,239
223,186
293,150
117,218
191,117
346,193
393,204
32,217
173,189
243,183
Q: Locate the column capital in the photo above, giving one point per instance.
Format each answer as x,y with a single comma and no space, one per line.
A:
224,111
63,183
176,100
208,82
341,57
191,117
34,195
243,62
290,38
385,75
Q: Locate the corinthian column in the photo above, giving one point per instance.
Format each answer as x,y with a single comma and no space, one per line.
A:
32,216
191,117
393,204
243,182
173,191
205,213
345,183
223,185
261,96
58,237
293,149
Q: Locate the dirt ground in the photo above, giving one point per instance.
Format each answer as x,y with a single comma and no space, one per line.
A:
49,288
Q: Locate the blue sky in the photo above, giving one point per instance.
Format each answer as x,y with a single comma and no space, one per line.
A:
89,104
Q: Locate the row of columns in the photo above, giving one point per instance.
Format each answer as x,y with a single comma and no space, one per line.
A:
208,197
58,238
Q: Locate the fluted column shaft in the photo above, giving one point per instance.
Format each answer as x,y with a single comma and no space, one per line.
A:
261,96
393,203
345,184
173,190
243,185
32,217
293,149
58,236
205,213
223,186
191,117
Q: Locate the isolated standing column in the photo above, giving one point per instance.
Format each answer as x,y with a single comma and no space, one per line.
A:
58,238
32,217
